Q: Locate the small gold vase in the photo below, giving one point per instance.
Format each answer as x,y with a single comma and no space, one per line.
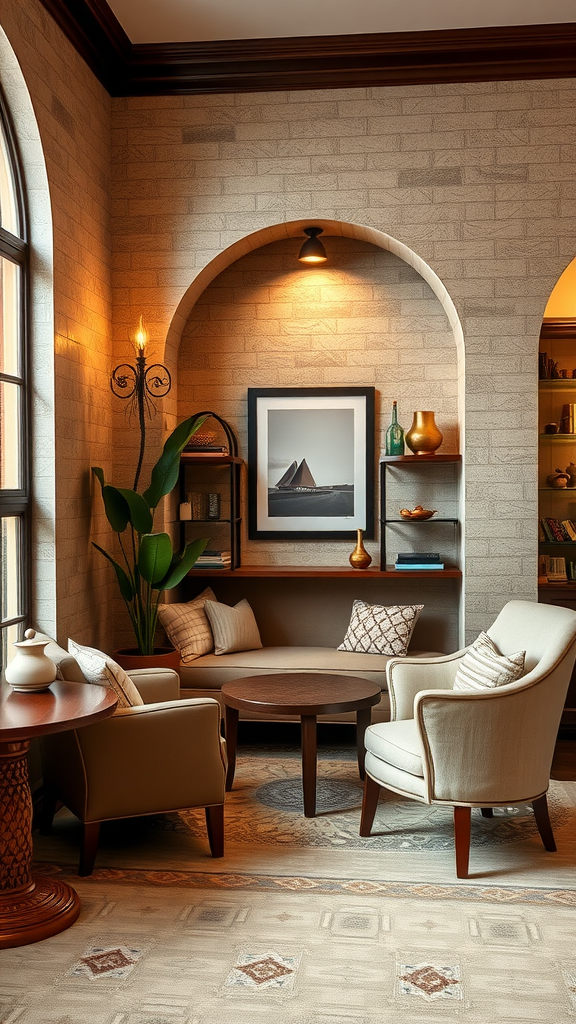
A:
360,559
423,438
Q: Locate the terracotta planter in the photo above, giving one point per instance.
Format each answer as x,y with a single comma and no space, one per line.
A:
163,657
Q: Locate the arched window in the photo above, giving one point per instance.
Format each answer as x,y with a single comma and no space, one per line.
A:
14,469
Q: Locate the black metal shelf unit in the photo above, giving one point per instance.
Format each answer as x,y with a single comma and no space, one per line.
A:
207,471
407,461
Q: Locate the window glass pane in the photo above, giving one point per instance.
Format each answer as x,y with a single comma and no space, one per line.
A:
8,210
10,562
9,317
10,438
8,637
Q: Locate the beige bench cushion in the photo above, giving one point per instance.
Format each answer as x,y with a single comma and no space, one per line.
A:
211,671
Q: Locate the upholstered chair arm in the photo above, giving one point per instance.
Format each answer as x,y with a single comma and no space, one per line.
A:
489,747
143,760
156,684
407,676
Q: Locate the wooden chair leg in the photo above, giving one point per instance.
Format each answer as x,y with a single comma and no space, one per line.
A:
91,832
369,805
215,829
543,822
487,812
462,840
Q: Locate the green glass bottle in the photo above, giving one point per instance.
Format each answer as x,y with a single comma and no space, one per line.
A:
394,435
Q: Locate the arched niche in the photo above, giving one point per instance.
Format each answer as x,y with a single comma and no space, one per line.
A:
199,346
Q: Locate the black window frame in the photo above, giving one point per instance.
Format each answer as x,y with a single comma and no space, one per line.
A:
17,502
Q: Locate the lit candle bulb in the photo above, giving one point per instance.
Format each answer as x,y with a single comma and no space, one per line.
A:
140,338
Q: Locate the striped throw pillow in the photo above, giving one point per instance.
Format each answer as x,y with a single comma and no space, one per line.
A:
234,629
483,667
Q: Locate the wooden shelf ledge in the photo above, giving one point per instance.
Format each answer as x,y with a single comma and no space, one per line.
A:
325,572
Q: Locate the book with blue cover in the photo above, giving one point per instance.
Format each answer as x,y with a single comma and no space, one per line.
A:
409,566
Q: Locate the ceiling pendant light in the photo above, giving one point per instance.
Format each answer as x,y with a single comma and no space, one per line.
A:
312,250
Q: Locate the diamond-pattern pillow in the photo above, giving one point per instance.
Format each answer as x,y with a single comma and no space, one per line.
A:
380,629
483,667
187,626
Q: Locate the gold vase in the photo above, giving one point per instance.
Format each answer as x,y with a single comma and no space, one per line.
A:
423,438
360,559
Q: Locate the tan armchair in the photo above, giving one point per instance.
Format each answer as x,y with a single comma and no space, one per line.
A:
163,756
489,748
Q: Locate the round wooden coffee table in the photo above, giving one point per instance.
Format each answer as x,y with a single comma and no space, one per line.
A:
307,694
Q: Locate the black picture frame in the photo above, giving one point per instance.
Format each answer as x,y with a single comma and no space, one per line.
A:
310,463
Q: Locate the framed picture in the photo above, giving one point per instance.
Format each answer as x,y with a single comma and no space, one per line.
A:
310,462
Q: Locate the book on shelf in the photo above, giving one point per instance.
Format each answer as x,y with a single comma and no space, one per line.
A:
570,528
406,557
213,560
555,569
204,450
410,566
554,530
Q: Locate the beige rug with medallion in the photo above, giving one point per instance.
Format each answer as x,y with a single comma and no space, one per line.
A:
302,920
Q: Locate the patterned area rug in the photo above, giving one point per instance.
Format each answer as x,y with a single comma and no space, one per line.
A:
148,950
266,834
266,807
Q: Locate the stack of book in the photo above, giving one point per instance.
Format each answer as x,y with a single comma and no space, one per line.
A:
407,560
213,560
556,530
555,570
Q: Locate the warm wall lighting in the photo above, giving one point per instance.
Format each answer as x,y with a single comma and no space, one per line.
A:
140,339
142,385
312,250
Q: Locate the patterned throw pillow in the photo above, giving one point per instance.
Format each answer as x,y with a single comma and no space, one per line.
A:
187,626
99,668
483,667
234,629
380,629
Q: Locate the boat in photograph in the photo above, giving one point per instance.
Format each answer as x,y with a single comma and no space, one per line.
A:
297,494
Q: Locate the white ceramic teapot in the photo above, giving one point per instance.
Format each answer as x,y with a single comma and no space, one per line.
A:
30,670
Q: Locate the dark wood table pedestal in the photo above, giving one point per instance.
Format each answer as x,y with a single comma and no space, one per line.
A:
307,694
33,907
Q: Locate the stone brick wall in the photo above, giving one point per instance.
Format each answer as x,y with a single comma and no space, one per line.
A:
477,179
57,101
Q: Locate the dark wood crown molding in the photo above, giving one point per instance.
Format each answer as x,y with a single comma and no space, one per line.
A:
311,62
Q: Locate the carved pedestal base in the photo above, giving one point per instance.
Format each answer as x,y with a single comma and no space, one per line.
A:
31,908
47,908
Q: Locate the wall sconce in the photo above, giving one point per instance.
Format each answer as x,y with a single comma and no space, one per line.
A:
312,250
142,385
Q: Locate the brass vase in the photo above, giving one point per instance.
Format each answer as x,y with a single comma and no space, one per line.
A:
423,438
360,559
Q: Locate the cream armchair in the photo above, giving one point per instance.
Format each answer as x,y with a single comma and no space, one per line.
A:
489,748
159,757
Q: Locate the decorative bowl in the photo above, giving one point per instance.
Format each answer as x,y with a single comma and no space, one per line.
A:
418,513
202,438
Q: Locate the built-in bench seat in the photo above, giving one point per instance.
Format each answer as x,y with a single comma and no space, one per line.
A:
205,676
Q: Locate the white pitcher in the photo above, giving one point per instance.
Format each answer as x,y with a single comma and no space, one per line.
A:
30,670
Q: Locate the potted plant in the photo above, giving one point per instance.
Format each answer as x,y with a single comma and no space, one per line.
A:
148,564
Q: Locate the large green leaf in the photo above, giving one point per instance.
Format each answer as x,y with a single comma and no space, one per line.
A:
182,563
126,588
165,473
154,557
116,507
140,515
99,474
